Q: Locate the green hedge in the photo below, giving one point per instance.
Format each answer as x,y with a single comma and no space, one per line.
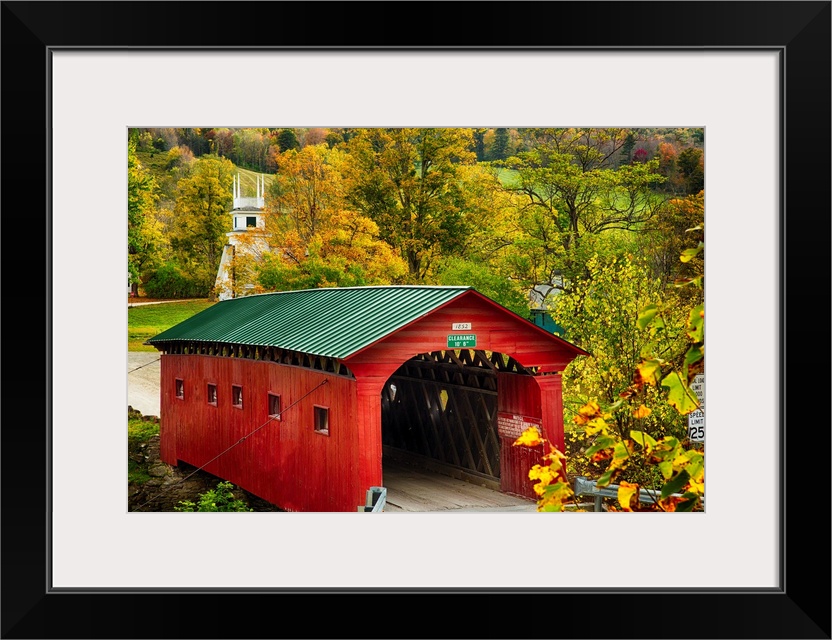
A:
169,281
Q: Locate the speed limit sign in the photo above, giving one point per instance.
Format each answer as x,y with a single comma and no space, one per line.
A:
696,419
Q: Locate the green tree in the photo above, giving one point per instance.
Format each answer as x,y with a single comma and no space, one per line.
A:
333,138
601,315
144,235
454,271
169,281
479,143
251,148
500,146
201,220
692,168
566,190
195,139
628,146
407,182
287,139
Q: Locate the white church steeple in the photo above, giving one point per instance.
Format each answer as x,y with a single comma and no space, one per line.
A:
247,236
258,202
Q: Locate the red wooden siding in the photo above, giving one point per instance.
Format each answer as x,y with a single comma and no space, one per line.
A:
368,429
496,330
551,402
285,462
519,395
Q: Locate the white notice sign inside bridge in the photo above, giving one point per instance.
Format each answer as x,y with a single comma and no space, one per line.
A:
696,419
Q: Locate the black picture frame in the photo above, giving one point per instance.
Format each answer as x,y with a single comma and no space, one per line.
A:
800,31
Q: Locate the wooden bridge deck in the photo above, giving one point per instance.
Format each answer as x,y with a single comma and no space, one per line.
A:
412,489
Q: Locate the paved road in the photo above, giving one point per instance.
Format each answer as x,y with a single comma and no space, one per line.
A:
143,371
141,304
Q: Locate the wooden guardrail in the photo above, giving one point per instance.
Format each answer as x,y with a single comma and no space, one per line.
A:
376,499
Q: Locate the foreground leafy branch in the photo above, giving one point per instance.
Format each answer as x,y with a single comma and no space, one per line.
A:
619,443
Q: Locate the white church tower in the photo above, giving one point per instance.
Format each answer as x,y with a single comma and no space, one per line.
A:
247,236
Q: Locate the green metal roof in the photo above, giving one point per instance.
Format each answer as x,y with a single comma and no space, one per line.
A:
334,322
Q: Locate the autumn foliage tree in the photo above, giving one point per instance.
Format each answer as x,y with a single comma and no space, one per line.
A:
144,232
201,220
407,182
250,148
601,316
307,191
617,428
315,240
667,237
691,166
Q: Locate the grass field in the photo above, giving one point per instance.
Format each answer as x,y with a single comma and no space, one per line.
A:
154,161
508,177
150,320
248,181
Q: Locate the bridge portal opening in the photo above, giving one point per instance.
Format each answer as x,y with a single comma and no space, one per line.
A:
441,412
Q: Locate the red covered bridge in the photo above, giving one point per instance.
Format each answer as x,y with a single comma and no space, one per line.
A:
328,383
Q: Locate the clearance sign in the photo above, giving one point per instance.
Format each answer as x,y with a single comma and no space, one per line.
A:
462,340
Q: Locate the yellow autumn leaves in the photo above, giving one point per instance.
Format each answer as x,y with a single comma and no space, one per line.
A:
529,438
550,485
682,469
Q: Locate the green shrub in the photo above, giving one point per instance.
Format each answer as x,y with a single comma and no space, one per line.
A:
219,499
141,428
169,281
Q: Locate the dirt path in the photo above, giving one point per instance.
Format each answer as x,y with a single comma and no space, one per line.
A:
143,369
140,302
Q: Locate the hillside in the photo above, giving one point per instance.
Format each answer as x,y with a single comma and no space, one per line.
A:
247,180
160,166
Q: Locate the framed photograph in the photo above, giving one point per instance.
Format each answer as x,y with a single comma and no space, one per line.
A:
754,75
